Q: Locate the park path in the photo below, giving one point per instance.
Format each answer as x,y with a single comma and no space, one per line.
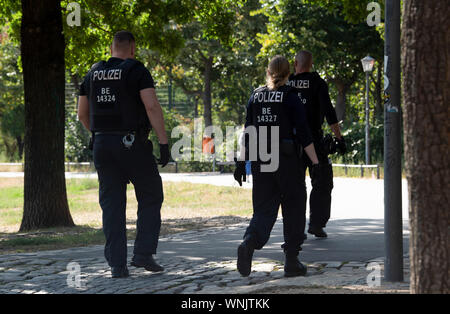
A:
195,262
204,261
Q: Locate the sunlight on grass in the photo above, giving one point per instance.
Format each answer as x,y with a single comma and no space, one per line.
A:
181,200
186,206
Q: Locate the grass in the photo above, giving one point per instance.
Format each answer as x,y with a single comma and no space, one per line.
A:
187,206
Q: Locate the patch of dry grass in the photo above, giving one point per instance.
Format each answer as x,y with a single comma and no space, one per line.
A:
186,206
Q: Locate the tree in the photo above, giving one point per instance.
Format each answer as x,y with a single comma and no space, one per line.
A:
42,53
241,72
200,57
12,114
426,64
208,39
354,11
337,45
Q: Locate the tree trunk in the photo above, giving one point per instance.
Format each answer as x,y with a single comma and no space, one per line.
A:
207,96
195,107
20,145
426,90
42,51
341,100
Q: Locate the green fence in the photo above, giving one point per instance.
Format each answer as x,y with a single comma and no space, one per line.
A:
173,98
169,96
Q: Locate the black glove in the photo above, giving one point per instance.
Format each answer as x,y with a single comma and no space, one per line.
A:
341,146
314,171
328,145
164,154
240,173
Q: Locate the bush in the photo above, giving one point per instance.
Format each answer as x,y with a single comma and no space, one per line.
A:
77,140
356,144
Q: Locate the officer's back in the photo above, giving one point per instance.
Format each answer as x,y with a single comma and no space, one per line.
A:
313,92
273,109
118,104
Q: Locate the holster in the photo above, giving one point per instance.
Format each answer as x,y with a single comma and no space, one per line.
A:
91,142
328,145
291,147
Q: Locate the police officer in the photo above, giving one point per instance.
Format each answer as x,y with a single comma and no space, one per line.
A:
118,105
275,111
313,91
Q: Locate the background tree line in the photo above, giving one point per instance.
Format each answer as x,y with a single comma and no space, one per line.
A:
215,52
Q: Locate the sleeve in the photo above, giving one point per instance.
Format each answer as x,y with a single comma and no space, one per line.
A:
249,113
325,103
248,122
303,132
145,79
84,87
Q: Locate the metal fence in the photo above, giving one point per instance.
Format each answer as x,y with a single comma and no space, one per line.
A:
346,167
169,96
215,166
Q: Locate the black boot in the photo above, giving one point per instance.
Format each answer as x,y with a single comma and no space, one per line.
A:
318,232
119,272
293,267
245,255
146,262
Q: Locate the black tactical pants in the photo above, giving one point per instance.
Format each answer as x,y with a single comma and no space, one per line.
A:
320,197
116,167
270,190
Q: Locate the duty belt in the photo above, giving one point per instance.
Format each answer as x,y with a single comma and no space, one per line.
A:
114,132
128,137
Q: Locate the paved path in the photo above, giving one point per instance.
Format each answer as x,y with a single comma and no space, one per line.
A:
203,262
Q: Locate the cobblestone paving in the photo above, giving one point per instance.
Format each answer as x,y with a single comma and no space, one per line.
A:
84,270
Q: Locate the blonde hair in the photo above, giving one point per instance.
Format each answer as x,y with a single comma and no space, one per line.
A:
277,72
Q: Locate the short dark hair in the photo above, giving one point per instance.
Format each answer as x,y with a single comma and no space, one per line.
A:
123,39
304,58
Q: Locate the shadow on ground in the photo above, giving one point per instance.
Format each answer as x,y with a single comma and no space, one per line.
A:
349,240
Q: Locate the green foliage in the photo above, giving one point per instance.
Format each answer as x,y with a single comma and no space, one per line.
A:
12,109
354,11
171,120
355,139
242,71
12,121
337,45
174,39
77,140
155,24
